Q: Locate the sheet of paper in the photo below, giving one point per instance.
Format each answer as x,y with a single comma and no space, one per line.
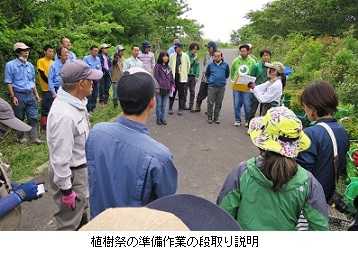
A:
245,79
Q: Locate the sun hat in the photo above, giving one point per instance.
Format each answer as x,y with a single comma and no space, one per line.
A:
279,131
7,117
119,48
198,214
135,219
20,45
277,66
105,46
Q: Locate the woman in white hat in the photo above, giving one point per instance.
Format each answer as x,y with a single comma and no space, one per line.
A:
269,94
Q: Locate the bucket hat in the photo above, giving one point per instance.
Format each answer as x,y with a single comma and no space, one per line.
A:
279,131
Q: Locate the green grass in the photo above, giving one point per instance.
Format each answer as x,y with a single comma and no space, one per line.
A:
24,159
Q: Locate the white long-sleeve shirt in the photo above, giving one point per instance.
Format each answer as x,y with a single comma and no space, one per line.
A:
269,91
67,132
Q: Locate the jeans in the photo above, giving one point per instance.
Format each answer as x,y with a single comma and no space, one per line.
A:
191,87
215,100
27,107
161,110
105,85
179,88
92,99
242,99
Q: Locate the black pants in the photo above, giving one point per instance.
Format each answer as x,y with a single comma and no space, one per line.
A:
46,103
105,85
179,88
92,99
254,106
190,88
203,93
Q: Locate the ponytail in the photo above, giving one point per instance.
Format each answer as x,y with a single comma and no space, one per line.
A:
283,80
278,169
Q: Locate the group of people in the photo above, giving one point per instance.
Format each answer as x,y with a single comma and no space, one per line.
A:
118,164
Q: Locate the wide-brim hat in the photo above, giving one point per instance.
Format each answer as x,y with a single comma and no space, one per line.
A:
105,46
277,66
7,117
198,214
279,131
135,219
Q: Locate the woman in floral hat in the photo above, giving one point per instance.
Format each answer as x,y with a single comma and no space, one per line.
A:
269,191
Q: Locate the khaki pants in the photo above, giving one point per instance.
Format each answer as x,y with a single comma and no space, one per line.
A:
66,218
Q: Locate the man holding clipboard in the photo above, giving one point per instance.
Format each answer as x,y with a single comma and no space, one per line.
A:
241,69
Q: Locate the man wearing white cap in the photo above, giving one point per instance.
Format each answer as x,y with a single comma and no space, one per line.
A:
20,79
68,129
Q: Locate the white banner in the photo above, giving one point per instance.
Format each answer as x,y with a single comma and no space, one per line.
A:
177,242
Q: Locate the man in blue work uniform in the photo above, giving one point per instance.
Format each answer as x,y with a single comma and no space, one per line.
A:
126,167
20,79
94,62
12,194
54,77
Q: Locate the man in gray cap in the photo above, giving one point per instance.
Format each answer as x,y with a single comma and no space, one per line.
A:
12,194
68,129
20,79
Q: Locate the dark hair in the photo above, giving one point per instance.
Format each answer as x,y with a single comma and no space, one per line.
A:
262,52
244,46
283,79
59,51
194,45
320,96
160,57
93,47
47,47
134,46
278,169
135,92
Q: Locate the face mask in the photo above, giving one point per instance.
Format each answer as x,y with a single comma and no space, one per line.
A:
23,59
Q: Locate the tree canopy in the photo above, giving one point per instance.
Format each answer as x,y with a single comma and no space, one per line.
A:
87,22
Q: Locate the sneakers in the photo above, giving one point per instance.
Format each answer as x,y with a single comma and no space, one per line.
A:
247,124
164,122
180,112
210,121
217,121
171,112
159,122
237,124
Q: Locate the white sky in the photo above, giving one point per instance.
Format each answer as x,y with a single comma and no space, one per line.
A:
220,17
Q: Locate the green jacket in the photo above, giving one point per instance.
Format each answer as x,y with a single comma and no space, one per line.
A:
260,72
248,196
194,66
241,66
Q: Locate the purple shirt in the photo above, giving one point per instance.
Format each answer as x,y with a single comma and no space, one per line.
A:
105,62
164,76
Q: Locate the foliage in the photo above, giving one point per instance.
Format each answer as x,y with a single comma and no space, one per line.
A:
310,18
88,22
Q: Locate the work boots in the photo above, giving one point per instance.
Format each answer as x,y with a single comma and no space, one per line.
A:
34,133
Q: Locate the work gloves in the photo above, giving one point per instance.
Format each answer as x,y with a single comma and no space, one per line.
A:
69,199
27,191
